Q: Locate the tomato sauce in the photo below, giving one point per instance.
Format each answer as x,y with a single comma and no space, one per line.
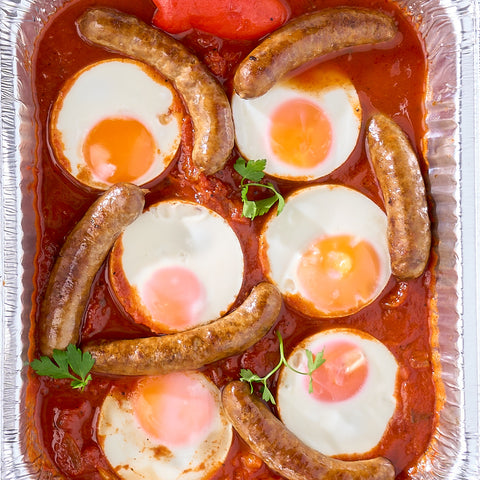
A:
61,421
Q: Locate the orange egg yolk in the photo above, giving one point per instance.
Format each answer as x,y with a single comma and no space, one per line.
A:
176,409
119,150
300,133
175,297
339,274
342,375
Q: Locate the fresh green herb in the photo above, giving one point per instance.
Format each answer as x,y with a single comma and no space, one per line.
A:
252,171
313,362
66,361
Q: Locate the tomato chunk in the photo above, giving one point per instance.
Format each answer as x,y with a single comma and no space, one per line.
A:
232,19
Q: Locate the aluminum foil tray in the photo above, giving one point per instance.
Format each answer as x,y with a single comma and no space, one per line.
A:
451,29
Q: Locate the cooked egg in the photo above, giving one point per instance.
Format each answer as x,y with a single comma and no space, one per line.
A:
170,427
177,266
116,121
305,126
353,396
327,251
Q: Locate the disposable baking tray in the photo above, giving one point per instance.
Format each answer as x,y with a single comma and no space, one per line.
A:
451,30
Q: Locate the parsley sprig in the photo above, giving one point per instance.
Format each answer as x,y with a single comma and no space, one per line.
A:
313,362
70,363
252,171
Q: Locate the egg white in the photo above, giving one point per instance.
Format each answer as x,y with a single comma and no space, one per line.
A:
312,212
134,455
114,88
352,426
185,234
334,94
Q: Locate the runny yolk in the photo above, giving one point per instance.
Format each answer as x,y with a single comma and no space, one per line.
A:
119,149
175,298
339,274
300,133
175,409
342,375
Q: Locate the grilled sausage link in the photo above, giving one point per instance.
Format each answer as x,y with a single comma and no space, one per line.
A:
80,257
282,451
192,349
205,99
398,173
306,38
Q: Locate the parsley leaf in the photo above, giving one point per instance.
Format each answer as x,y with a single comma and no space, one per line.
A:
253,172
64,363
80,362
313,362
267,396
249,376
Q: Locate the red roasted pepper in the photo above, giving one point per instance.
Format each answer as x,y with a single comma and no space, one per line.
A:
232,19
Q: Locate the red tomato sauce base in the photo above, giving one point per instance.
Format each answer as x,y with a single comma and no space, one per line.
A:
61,421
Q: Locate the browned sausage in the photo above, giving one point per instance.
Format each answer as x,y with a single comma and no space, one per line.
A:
193,348
80,257
282,451
398,172
306,38
205,99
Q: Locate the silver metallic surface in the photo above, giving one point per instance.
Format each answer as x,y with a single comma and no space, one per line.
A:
451,30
